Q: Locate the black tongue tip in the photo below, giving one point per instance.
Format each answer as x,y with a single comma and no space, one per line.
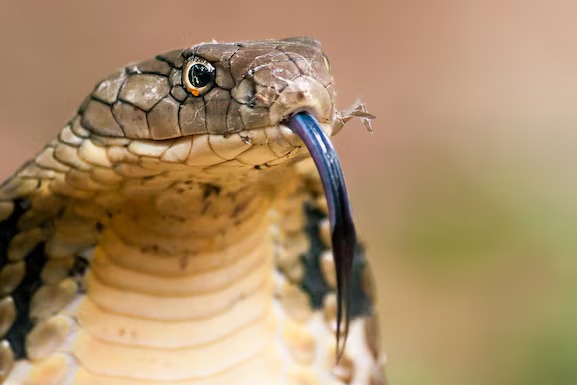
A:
343,234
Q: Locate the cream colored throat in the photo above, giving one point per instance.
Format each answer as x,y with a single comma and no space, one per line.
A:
170,302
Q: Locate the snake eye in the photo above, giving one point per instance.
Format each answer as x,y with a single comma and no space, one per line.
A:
199,76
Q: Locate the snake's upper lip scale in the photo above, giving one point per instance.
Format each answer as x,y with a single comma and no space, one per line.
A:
343,233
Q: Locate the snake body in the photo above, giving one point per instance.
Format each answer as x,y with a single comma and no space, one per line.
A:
176,232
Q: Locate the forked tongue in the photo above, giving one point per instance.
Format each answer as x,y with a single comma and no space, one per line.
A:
344,239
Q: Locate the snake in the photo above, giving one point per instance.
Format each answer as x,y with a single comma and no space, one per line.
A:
191,225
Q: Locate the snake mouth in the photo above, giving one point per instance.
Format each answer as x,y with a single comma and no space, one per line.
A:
343,232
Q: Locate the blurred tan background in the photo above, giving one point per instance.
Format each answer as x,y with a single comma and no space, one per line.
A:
466,193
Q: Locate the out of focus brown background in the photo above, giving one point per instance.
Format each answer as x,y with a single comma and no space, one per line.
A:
466,193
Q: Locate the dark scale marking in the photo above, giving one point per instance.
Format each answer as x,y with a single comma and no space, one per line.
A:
23,293
211,189
313,282
34,263
361,302
8,229
79,267
78,270
23,324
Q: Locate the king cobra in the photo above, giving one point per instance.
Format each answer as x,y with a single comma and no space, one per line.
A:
190,226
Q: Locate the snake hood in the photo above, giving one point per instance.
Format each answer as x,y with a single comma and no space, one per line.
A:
247,89
175,163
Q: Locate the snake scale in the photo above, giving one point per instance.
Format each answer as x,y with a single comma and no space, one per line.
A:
177,231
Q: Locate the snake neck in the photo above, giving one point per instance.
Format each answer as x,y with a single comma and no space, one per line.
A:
199,284
181,292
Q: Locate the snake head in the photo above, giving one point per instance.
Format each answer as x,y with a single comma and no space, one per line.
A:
213,88
215,105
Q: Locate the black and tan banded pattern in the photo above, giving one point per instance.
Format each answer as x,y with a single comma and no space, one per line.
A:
174,232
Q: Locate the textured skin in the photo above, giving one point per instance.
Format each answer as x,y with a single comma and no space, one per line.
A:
167,238
149,100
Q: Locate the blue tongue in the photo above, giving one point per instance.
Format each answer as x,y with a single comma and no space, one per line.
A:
344,239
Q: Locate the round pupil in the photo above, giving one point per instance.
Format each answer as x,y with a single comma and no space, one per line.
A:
200,75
